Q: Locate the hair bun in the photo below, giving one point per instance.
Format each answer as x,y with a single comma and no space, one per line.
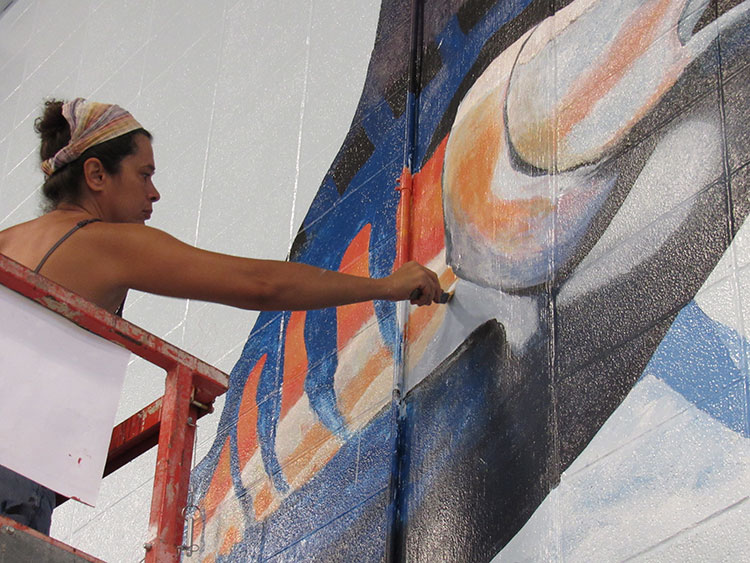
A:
53,129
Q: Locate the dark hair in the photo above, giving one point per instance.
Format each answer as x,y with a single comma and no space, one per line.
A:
64,185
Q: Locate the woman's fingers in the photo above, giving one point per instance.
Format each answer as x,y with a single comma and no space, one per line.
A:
427,290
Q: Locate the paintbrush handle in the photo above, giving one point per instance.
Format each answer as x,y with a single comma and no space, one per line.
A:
417,293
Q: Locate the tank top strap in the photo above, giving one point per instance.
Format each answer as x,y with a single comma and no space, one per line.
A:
77,226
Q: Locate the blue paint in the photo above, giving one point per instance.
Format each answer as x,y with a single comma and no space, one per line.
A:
268,398
700,358
348,490
320,327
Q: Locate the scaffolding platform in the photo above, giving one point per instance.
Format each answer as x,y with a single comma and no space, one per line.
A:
21,544
191,386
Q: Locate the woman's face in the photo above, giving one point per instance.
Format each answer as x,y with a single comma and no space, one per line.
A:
131,193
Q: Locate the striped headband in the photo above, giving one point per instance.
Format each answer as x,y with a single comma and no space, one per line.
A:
91,123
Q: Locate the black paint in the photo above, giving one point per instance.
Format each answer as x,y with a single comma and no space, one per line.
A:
356,151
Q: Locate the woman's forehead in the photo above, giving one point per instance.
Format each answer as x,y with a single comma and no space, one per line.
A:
144,154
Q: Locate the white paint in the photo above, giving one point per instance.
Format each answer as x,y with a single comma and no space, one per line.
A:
470,307
687,160
659,480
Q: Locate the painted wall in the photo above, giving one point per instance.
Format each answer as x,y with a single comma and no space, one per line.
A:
248,102
581,167
579,178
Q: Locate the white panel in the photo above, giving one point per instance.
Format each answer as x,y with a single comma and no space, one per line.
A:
60,387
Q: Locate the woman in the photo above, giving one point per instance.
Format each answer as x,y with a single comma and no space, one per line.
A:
98,163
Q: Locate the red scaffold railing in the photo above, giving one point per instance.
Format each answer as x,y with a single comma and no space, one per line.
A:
190,389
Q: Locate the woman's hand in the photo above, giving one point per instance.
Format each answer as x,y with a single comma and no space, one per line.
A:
416,283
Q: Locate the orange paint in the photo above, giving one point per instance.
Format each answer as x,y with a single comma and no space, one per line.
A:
428,227
247,421
636,37
403,218
469,169
420,317
300,466
231,538
356,388
221,483
263,503
356,261
295,362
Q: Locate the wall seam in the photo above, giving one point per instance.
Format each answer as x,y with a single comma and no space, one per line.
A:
732,228
396,513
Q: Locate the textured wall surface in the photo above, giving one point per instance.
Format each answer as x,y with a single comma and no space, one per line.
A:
248,101
579,179
593,199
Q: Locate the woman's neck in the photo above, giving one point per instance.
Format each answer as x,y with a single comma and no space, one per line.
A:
82,208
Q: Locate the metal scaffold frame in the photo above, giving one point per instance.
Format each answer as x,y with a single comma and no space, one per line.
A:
191,387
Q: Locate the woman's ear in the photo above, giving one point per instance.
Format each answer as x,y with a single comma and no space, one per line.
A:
94,174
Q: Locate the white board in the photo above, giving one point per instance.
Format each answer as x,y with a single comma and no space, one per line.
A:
60,388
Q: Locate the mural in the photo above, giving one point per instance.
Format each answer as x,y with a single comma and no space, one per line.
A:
575,172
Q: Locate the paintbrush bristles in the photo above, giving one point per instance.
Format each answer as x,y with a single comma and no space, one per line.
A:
445,297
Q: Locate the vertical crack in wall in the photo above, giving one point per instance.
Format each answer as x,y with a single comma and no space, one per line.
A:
732,227
204,173
300,131
552,293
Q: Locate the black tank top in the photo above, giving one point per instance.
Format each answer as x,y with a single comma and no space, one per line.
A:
65,237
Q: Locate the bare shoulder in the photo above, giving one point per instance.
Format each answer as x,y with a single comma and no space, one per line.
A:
24,242
5,236
9,234
146,258
4,240
127,237
124,247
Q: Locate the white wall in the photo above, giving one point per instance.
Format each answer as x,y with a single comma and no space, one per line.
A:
248,102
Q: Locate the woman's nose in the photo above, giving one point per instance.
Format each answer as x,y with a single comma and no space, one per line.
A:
154,196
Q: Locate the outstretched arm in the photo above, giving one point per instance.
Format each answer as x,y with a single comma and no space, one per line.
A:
151,260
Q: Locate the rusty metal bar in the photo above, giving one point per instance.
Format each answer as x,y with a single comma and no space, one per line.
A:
138,434
134,436
175,453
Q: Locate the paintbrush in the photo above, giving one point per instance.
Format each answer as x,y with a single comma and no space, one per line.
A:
445,297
